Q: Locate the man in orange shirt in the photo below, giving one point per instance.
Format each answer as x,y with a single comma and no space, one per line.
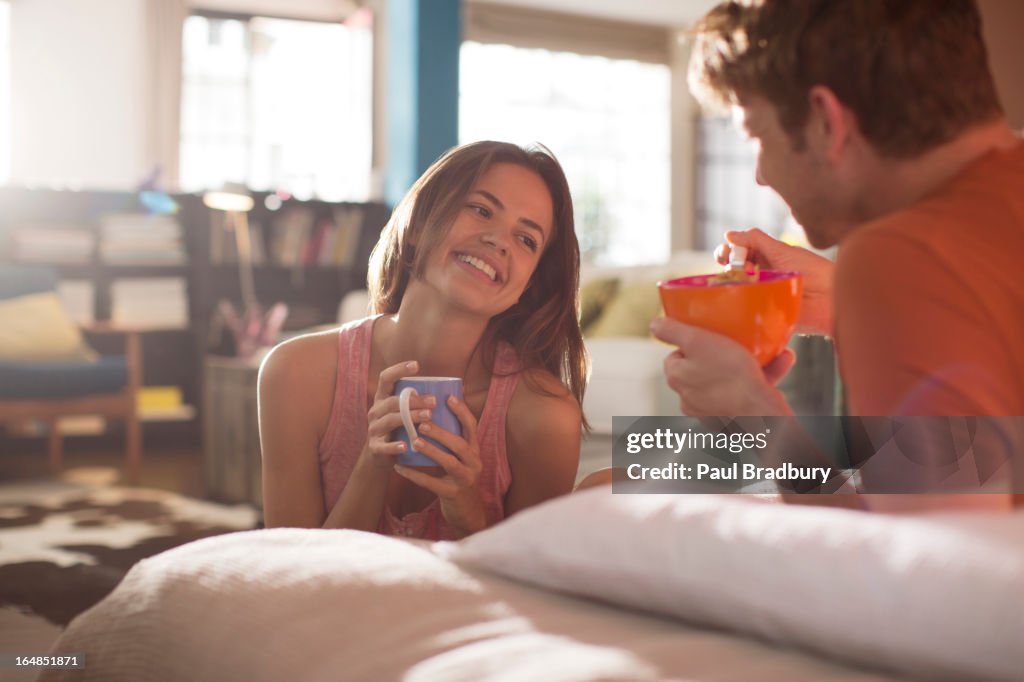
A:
879,125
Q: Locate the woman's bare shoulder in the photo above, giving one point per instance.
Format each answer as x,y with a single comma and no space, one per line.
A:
541,398
304,363
542,438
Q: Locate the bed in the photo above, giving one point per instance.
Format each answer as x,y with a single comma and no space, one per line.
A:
592,586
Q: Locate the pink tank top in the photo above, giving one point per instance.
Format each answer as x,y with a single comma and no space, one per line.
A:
345,436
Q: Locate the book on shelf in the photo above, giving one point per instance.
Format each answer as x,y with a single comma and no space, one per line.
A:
290,231
169,414
52,243
82,425
140,238
257,243
149,302
163,403
315,243
77,425
348,222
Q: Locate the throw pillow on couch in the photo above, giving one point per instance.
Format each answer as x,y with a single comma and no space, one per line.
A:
37,328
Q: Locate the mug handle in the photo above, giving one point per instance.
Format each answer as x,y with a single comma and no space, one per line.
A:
403,409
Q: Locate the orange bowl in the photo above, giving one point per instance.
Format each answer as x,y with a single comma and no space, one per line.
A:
760,315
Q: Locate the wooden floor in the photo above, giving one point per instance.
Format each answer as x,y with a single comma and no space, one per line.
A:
173,467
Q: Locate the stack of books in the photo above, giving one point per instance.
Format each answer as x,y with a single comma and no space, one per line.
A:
52,243
159,302
138,238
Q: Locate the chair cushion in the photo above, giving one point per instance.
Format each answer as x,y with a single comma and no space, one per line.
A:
61,378
37,327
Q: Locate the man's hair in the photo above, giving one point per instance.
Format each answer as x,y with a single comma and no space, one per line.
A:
914,72
543,326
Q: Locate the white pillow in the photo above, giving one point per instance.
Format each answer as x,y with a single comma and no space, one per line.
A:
935,595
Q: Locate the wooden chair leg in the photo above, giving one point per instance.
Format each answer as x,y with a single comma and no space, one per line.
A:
133,448
55,447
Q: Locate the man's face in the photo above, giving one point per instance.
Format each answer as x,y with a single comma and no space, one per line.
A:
797,171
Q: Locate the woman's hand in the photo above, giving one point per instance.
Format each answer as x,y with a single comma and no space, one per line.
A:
457,487
384,417
768,252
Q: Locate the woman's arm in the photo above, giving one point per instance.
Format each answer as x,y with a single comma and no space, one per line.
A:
543,442
362,501
296,389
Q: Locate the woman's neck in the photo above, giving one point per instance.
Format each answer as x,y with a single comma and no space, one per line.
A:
445,341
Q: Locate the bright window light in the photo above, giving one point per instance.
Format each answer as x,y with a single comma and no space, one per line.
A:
277,104
5,92
728,196
607,122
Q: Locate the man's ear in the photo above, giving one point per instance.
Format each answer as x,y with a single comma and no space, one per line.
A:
830,124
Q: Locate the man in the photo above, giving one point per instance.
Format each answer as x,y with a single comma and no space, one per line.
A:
879,125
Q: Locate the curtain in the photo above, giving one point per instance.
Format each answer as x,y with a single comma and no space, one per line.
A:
164,21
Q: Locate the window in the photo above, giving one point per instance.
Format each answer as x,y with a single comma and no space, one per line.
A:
277,104
728,196
5,92
607,122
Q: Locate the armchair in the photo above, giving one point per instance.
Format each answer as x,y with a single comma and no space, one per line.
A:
47,371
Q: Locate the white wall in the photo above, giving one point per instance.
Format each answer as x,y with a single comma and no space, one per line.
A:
1003,24
78,92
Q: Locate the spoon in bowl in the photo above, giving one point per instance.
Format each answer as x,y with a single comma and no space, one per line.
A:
737,258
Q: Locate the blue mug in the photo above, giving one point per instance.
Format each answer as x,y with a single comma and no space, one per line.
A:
440,388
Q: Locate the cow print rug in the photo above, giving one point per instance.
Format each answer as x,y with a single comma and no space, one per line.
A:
65,545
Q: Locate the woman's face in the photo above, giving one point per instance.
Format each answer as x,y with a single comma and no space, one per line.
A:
500,231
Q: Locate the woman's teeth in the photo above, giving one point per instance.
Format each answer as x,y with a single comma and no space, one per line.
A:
479,265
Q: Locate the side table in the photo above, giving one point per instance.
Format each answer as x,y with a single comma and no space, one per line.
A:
231,437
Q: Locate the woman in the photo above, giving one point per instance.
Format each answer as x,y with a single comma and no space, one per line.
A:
475,276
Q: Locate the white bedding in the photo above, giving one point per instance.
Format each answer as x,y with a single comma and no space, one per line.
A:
939,595
316,605
313,605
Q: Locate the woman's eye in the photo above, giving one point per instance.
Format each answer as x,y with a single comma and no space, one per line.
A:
482,210
530,242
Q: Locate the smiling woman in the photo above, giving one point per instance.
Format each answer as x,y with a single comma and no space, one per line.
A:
474,277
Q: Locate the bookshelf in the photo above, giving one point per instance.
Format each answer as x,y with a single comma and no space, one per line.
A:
167,276
297,260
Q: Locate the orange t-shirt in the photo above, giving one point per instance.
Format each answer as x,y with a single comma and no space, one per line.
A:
929,300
